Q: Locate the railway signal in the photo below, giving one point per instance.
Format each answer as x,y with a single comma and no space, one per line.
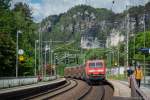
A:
56,61
145,50
20,51
21,58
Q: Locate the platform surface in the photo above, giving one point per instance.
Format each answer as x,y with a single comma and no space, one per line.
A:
121,89
146,90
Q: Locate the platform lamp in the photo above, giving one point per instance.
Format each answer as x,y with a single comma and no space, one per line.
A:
18,32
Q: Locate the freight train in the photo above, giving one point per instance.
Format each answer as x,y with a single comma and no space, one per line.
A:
93,70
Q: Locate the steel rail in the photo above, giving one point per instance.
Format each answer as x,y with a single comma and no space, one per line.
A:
103,96
52,93
55,89
63,91
85,93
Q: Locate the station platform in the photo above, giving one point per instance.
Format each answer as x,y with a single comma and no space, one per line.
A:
145,90
34,88
122,89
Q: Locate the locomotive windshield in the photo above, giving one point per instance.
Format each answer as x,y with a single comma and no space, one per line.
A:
98,64
92,65
95,65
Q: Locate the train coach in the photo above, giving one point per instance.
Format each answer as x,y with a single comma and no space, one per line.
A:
74,72
93,70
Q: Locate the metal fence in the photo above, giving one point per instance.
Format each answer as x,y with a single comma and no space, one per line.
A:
136,92
7,82
120,72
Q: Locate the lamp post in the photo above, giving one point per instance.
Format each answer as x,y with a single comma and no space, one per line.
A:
46,49
51,62
55,57
36,41
17,52
45,63
128,31
144,18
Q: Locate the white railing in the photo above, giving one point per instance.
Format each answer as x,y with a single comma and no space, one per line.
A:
12,82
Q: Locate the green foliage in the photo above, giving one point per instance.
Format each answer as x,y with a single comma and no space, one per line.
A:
95,54
5,4
60,69
12,20
139,43
7,55
6,21
117,77
23,19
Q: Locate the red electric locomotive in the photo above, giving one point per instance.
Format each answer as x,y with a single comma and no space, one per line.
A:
95,70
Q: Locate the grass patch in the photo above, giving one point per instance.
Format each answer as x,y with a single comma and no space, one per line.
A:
117,77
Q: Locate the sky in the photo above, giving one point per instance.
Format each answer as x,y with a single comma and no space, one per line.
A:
44,8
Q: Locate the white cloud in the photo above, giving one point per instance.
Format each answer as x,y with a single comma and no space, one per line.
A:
51,7
37,11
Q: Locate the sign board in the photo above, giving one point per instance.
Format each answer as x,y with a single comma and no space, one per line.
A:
145,50
21,58
20,52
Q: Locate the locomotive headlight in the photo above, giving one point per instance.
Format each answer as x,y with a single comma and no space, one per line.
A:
100,70
91,71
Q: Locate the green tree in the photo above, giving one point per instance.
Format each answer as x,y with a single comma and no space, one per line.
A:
7,55
139,43
5,4
12,20
6,17
24,22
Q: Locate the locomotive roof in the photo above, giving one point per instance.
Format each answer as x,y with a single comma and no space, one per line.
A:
95,61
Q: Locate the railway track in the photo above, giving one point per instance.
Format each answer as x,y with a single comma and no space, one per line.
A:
54,92
85,93
103,91
76,93
76,90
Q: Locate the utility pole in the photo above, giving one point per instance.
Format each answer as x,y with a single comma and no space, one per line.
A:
36,41
52,62
128,31
17,56
51,58
39,54
17,47
118,58
144,18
